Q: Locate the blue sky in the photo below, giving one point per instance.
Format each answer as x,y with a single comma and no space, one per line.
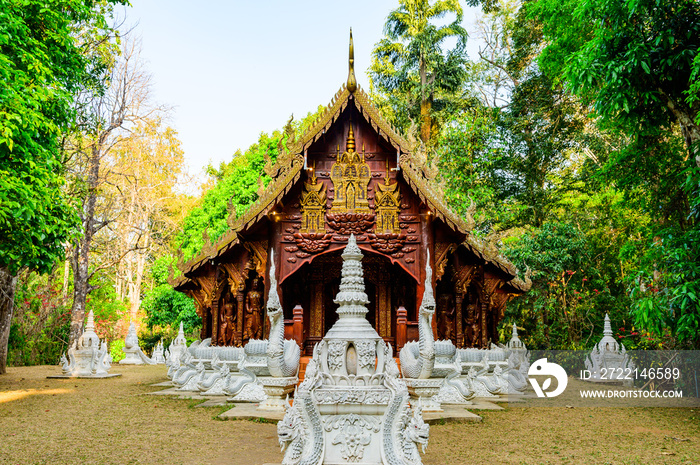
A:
234,69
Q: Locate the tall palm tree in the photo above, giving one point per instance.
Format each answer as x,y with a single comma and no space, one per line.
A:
413,65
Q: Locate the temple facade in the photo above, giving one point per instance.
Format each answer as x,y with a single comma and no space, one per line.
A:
350,173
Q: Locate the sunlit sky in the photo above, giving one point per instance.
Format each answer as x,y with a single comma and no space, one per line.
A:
233,69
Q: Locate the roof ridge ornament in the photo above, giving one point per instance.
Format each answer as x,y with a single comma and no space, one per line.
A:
352,82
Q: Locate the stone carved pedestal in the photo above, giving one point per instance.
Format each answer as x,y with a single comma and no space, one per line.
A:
425,391
277,390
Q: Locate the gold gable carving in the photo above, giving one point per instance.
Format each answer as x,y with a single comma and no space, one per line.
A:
350,175
387,206
313,207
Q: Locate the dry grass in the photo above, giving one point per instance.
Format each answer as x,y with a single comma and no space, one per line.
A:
109,421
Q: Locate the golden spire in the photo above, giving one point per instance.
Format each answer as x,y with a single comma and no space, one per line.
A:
352,82
350,146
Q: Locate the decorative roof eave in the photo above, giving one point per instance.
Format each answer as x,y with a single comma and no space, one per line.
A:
489,253
432,198
272,195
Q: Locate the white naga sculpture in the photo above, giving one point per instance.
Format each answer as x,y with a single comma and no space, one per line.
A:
425,364
133,355
264,371
88,358
608,361
352,407
158,356
279,374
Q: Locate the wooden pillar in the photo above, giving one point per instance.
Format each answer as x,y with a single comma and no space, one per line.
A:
238,333
459,298
215,322
484,325
401,322
298,325
206,315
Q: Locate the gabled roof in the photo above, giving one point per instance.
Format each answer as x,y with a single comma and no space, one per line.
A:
287,171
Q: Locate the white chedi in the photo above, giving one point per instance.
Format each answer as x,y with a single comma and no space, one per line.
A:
158,356
89,357
133,355
177,347
352,406
609,360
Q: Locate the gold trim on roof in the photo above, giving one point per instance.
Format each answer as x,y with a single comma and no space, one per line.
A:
287,171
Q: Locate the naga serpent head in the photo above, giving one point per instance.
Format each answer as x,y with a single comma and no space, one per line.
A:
289,428
417,430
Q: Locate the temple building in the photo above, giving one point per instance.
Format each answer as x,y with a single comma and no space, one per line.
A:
350,173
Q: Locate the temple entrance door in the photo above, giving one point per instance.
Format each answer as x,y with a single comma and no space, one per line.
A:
314,287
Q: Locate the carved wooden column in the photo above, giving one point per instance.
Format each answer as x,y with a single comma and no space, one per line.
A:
240,303
298,325
215,322
459,298
401,322
484,324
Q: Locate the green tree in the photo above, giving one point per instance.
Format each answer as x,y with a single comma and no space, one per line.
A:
636,64
41,67
635,61
413,69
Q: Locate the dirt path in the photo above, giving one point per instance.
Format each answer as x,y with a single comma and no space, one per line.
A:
109,421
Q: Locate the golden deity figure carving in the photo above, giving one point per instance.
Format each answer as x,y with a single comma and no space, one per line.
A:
313,206
387,205
350,175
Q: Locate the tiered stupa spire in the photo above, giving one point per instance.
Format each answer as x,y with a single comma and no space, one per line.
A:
351,298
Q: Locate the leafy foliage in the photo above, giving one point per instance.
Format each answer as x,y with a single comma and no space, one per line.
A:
41,66
39,332
634,60
412,69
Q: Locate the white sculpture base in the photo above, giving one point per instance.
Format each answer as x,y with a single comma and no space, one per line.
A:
425,390
277,390
106,375
131,357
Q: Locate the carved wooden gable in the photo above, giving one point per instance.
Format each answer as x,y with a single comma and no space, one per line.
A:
351,186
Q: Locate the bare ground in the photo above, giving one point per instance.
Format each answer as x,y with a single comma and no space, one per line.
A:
110,421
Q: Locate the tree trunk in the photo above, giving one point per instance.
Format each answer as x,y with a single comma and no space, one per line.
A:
686,118
425,104
66,275
8,283
81,261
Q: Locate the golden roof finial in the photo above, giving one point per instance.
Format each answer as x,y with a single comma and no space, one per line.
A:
352,82
350,146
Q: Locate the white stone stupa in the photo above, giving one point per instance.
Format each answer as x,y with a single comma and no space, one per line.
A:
352,407
158,356
609,360
133,355
89,357
177,347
